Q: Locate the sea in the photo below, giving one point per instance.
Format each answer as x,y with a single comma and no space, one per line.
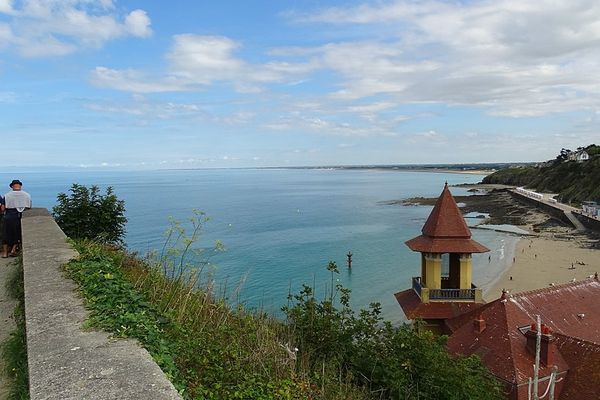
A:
281,227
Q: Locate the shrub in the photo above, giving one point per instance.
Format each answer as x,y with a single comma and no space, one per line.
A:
402,362
212,350
86,213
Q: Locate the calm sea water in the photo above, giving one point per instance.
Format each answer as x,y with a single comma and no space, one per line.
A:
281,227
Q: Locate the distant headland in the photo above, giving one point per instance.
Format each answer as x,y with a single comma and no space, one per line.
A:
470,168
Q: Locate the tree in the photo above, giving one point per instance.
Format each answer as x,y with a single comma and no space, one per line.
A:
86,213
593,149
563,155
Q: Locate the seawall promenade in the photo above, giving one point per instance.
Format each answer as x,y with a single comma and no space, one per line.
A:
561,211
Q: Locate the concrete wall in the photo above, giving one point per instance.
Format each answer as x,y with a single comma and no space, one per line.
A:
547,208
66,361
590,223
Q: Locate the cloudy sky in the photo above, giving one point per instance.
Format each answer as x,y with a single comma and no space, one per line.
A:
229,83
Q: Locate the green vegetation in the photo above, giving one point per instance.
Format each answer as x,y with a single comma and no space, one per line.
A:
392,362
14,349
86,213
573,181
211,350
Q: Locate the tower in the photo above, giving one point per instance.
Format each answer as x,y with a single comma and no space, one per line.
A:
445,288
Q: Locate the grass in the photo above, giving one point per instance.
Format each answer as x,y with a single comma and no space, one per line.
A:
14,349
211,350
208,349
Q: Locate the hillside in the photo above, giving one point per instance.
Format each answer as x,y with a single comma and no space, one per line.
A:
573,181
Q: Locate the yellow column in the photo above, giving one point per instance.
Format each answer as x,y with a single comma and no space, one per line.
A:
433,268
466,271
424,295
423,269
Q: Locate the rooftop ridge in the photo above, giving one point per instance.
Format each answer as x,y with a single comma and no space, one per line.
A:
511,347
589,344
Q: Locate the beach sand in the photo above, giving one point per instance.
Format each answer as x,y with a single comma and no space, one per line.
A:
541,261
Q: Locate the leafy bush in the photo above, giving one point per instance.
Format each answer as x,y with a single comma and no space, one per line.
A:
593,150
86,213
392,362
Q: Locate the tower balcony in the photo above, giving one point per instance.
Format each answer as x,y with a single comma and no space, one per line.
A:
427,295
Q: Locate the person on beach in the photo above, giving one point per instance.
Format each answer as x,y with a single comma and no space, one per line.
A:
13,204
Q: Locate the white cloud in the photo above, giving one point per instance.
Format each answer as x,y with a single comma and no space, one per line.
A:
196,61
311,123
138,23
204,59
6,6
511,57
145,110
371,107
6,35
134,81
41,28
367,13
140,106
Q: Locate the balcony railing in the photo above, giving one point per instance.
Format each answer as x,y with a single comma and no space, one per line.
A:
426,294
452,294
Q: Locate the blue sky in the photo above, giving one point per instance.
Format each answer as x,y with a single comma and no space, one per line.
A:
188,84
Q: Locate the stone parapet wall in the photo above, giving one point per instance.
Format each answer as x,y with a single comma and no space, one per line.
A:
66,361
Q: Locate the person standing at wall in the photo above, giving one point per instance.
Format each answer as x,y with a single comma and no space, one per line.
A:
14,203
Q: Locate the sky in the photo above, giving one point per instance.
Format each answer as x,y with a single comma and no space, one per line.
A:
200,84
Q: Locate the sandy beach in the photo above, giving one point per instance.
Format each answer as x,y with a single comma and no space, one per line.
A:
554,254
542,261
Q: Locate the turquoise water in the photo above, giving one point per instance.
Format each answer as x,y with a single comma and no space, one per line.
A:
281,227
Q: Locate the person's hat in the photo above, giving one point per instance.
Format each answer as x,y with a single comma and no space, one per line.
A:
15,182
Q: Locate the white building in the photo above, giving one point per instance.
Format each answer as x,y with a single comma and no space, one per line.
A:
579,156
590,208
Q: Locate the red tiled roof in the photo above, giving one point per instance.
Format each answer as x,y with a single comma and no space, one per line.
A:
413,307
569,310
501,346
583,380
446,220
446,230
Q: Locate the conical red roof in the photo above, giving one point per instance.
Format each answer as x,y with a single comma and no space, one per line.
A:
446,230
446,220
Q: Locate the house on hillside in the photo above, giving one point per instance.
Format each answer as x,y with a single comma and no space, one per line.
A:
579,156
503,332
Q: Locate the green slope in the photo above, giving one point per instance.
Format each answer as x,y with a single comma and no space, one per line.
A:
573,181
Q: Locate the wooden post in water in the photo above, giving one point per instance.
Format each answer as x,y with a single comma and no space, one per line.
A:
349,255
